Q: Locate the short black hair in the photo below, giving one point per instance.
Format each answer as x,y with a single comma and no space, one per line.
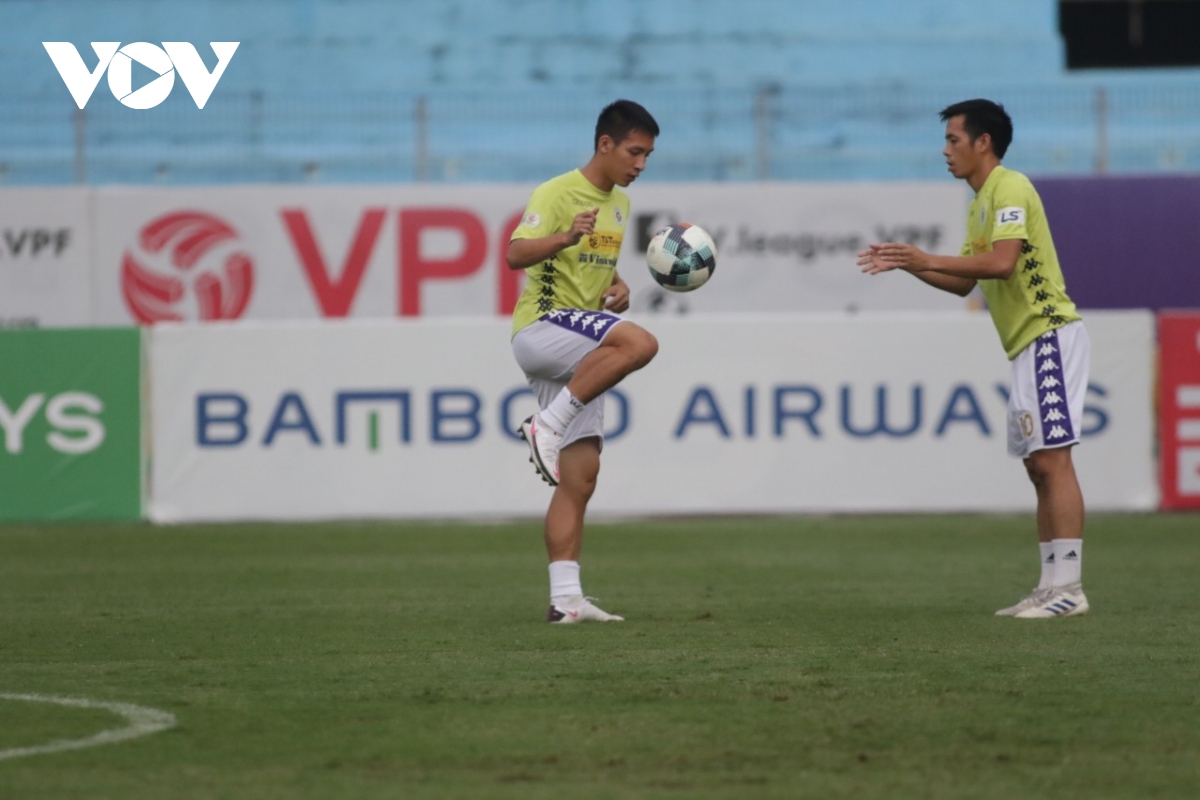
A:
621,118
983,116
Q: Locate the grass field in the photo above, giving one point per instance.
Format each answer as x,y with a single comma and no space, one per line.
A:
767,658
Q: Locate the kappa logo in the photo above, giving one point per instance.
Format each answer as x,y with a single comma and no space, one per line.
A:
182,259
1057,432
1052,399
1054,415
1050,382
118,61
1047,350
1048,366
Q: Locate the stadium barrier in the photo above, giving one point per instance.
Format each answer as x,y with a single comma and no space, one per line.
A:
128,255
71,420
762,414
1179,409
416,419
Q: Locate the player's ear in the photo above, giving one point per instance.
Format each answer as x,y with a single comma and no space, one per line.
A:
985,141
606,144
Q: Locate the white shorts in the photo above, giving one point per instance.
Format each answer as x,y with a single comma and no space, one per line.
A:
1045,396
549,350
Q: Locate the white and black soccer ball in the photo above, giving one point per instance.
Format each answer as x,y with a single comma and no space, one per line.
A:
681,257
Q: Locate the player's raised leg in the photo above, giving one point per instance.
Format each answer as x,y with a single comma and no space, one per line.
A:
625,348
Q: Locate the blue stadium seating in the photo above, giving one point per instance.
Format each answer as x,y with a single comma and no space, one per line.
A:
484,90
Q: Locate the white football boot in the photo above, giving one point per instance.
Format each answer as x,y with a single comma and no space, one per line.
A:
1064,601
543,448
1030,600
578,609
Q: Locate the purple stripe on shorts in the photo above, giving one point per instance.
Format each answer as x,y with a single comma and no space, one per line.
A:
1052,391
592,324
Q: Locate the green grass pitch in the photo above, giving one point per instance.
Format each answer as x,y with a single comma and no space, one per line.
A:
810,657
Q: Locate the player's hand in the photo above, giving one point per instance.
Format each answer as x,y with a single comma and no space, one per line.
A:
616,297
909,258
893,255
583,225
871,263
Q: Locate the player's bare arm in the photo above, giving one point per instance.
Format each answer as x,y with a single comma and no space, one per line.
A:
524,253
996,264
616,297
873,264
954,274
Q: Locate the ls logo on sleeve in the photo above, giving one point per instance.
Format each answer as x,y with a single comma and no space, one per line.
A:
1013,215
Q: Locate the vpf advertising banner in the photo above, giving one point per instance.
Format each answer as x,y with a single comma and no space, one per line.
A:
275,253
45,258
1179,408
737,414
70,418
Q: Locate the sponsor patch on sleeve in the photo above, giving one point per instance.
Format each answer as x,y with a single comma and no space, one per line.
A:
532,219
1013,215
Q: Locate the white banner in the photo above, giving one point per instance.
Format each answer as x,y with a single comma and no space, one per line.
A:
288,252
45,254
791,246
770,414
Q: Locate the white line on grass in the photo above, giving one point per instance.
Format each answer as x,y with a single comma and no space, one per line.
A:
142,721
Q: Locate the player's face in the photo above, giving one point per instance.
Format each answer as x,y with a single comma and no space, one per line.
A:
962,154
626,160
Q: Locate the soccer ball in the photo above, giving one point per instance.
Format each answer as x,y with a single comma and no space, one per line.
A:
682,257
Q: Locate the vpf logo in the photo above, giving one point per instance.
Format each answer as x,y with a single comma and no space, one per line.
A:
186,266
165,61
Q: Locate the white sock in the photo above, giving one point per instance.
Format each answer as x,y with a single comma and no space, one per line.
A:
1068,561
564,580
561,411
1047,549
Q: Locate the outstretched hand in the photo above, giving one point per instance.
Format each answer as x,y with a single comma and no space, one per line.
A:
892,255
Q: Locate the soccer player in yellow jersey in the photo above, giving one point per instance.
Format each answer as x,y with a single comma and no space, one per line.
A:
568,338
1009,254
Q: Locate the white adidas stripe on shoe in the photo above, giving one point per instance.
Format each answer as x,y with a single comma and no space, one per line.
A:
1064,601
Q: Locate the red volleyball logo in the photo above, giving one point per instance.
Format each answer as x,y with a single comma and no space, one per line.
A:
186,266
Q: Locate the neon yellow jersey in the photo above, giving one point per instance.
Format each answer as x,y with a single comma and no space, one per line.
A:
574,277
1033,300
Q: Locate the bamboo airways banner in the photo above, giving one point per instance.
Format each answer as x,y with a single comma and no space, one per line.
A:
70,421
737,414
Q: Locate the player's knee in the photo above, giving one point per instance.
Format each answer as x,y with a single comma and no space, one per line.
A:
644,349
1035,470
579,483
1042,465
